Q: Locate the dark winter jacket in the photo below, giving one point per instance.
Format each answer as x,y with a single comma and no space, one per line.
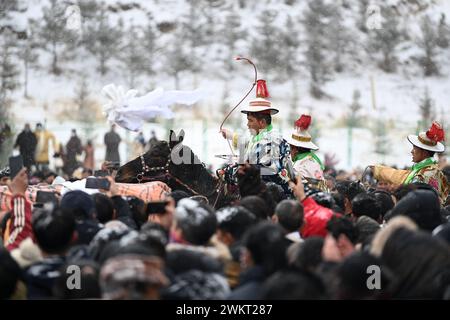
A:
422,206
26,141
40,277
123,212
251,282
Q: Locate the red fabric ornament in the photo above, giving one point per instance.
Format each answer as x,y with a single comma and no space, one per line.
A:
436,132
303,122
261,89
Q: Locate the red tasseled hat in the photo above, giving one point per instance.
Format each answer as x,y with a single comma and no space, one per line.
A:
261,89
436,132
261,104
303,122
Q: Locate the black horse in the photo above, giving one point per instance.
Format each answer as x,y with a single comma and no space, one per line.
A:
176,165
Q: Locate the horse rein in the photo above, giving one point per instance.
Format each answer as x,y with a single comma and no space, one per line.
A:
146,169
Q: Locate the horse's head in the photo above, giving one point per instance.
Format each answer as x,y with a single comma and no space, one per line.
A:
173,163
156,157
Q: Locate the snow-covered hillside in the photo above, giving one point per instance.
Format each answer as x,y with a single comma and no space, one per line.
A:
397,95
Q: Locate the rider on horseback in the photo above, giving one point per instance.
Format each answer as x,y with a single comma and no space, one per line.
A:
265,147
306,162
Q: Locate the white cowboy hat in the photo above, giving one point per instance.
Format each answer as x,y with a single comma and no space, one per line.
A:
429,140
260,103
299,136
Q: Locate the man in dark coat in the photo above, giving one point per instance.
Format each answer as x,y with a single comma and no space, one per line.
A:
73,148
27,141
112,140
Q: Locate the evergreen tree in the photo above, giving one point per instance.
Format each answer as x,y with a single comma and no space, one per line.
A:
381,140
177,60
266,44
339,38
362,15
386,39
443,33
150,47
232,32
315,20
132,56
9,73
54,35
289,54
28,52
354,119
86,111
6,8
426,108
211,11
89,11
9,70
102,40
293,106
428,43
193,35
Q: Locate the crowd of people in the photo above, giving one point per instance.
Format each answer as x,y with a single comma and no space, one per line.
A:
297,229
313,245
74,159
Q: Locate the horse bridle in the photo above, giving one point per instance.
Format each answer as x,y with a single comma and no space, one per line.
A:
167,174
146,168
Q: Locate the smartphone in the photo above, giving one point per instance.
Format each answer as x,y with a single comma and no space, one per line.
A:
114,165
15,165
98,183
156,207
45,197
101,173
291,171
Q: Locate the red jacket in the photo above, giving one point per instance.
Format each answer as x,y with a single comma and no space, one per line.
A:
20,222
315,218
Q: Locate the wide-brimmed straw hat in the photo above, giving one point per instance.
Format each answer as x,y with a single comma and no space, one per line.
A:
299,136
431,139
